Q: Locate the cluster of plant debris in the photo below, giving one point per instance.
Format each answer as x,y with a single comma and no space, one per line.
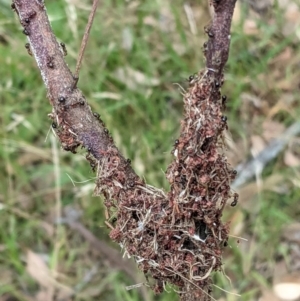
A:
175,237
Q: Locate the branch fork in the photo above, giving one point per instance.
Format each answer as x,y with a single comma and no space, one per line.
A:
178,236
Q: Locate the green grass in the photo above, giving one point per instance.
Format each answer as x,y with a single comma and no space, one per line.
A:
143,118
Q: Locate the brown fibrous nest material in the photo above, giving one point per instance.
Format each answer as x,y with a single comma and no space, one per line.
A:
175,237
178,238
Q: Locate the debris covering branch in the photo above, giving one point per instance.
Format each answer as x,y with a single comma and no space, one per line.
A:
175,237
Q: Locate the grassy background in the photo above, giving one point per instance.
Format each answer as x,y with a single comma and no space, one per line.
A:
137,51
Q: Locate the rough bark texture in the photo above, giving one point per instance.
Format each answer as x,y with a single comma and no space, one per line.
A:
175,237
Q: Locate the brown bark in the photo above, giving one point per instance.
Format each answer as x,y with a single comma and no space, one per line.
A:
175,237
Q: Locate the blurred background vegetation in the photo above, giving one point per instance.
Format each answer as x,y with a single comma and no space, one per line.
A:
139,54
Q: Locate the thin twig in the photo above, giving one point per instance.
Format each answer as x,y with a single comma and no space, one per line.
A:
85,39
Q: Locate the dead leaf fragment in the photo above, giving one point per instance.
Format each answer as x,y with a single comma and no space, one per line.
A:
250,27
290,159
40,272
258,144
286,285
292,233
38,269
287,290
272,129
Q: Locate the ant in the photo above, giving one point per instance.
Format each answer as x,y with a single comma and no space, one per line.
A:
208,32
27,46
64,49
61,99
26,32
224,118
96,115
192,79
224,100
235,199
50,62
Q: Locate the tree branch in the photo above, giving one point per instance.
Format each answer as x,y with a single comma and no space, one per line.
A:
176,237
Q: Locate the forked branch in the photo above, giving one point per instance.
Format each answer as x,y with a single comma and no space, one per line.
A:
176,237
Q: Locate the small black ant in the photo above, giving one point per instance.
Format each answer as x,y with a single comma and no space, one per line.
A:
205,48
234,172
50,62
61,99
27,46
54,125
235,199
131,184
64,49
96,115
224,100
210,34
192,79
26,32
224,118
93,166
176,142
27,20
